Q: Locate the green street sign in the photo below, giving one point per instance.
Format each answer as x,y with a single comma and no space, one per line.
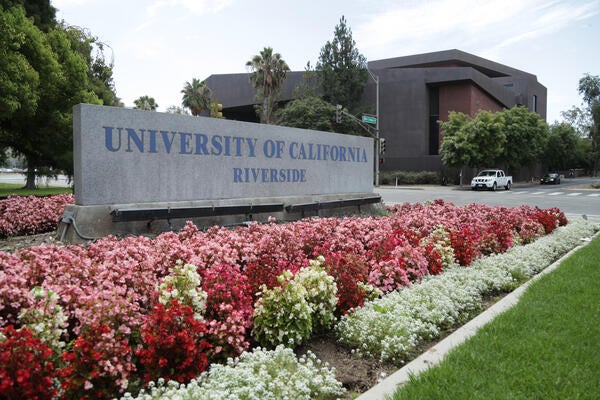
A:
368,119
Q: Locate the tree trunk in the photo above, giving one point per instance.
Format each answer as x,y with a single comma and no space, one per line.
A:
30,183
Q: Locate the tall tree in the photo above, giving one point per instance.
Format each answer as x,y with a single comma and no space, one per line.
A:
526,135
145,103
196,96
42,12
100,72
589,88
561,148
341,69
267,74
54,78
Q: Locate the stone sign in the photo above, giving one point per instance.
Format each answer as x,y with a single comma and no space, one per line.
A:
133,156
145,172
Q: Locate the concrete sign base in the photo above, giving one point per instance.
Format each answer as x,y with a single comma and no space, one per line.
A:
80,224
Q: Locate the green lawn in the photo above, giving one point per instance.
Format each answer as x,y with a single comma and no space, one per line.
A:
546,347
7,189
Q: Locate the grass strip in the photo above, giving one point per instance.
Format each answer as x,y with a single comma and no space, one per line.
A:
8,189
546,347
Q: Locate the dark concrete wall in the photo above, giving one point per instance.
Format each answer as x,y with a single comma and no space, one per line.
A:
466,83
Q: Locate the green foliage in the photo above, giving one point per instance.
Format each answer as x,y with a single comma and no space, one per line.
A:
472,142
543,348
341,69
18,78
196,96
310,112
145,103
526,135
267,74
282,315
589,88
44,77
100,74
513,138
410,178
183,284
560,152
321,293
288,314
579,119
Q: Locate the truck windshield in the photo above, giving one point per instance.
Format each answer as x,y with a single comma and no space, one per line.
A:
487,173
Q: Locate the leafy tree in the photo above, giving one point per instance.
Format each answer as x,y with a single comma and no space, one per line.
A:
42,12
177,110
100,73
579,119
145,103
589,88
472,142
196,96
310,112
18,78
560,152
267,74
526,135
53,78
341,69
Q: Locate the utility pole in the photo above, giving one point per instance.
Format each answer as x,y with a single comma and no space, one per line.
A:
367,119
377,144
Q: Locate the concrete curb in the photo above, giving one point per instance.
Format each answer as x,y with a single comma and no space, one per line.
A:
436,354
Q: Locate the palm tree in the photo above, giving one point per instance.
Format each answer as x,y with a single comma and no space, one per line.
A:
267,73
145,103
196,96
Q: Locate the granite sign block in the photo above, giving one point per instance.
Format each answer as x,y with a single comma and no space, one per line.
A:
132,156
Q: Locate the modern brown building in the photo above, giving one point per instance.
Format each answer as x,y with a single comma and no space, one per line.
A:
414,93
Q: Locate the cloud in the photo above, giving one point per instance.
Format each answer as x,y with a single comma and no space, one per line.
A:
497,23
196,7
60,4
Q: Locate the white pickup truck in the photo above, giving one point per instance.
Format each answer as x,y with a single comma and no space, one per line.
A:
491,179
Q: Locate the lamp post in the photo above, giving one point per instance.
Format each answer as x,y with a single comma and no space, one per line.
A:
377,144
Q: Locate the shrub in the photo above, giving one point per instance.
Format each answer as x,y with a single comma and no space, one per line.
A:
321,293
173,344
31,214
27,369
410,178
282,315
349,272
183,285
98,365
228,310
259,374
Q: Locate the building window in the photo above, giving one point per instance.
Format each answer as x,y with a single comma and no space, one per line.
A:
434,116
534,103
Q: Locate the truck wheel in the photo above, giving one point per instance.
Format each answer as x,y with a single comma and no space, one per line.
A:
494,186
507,187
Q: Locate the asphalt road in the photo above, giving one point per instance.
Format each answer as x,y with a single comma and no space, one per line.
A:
572,196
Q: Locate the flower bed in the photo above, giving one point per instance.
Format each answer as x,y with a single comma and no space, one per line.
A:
31,214
113,316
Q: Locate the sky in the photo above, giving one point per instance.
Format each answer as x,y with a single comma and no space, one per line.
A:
159,45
